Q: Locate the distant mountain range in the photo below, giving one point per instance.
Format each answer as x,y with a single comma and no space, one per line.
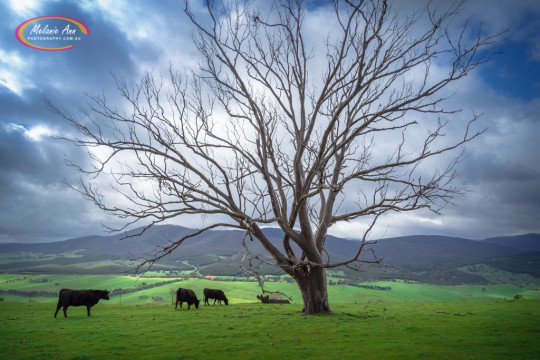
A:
433,259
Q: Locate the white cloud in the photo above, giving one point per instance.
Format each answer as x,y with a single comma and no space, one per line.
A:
13,72
25,8
157,35
166,33
392,225
35,133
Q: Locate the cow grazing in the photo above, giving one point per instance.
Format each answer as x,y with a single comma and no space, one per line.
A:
266,300
88,298
186,295
216,294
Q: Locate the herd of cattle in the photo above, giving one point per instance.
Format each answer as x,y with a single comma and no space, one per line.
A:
188,296
89,298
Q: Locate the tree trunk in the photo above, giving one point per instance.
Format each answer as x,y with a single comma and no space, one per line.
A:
312,284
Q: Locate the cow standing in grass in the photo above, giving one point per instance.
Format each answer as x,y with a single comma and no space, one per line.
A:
216,294
186,295
88,298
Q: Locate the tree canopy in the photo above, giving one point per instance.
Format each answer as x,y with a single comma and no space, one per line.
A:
276,129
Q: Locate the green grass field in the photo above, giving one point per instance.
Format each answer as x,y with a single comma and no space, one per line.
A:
409,321
494,329
242,291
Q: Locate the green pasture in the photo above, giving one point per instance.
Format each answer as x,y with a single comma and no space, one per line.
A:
496,329
245,291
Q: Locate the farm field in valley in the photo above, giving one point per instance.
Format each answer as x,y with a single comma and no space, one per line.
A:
160,290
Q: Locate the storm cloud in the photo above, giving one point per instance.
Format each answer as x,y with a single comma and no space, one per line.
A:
501,171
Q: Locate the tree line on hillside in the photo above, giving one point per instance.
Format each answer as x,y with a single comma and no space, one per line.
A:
354,283
42,293
29,293
13,280
143,286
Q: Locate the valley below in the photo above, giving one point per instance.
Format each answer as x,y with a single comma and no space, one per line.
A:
436,260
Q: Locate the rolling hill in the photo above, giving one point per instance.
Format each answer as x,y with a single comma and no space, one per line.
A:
433,259
528,242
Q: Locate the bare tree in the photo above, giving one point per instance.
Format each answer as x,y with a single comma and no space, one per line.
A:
258,136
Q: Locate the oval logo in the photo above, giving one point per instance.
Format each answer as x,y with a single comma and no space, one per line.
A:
51,33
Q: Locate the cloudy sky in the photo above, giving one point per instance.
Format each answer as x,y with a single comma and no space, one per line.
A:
501,172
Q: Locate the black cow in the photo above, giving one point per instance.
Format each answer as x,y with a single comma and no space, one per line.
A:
265,299
216,294
186,295
88,298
